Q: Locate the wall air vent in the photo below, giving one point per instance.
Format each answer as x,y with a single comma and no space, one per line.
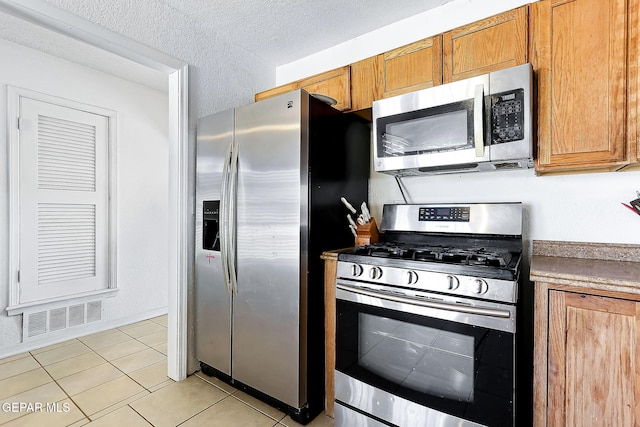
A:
41,324
57,319
94,311
36,324
76,315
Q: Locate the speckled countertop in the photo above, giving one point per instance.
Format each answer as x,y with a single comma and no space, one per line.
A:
594,265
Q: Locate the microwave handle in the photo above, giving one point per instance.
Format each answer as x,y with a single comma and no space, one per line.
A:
478,123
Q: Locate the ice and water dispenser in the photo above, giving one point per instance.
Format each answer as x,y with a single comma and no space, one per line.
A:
211,225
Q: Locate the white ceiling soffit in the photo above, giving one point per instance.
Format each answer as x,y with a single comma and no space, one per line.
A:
33,36
275,31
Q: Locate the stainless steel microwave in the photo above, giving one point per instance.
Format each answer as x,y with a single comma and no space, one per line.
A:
477,124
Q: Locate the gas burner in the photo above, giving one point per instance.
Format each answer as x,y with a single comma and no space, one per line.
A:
478,256
386,252
492,257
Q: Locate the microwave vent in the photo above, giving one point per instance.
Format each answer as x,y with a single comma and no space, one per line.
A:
465,167
507,165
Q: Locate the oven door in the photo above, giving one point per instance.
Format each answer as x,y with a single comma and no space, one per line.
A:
424,359
432,128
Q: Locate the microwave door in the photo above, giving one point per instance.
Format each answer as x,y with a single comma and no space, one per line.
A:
433,128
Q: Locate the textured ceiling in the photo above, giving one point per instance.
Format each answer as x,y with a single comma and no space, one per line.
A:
282,31
274,31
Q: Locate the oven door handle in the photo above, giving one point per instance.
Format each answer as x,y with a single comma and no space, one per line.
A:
429,304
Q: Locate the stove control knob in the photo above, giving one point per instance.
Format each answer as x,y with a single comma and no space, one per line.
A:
452,283
481,286
375,273
412,277
356,270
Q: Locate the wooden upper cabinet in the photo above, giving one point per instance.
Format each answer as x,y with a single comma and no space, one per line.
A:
366,82
335,84
412,67
276,91
633,88
587,89
593,361
487,45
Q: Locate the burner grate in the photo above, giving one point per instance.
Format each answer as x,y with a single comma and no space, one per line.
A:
492,257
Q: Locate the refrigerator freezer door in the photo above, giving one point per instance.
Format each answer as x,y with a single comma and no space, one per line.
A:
212,301
266,312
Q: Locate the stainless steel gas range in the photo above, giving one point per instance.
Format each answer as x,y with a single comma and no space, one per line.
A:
426,319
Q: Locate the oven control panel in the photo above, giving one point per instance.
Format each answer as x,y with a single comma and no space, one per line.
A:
459,285
457,214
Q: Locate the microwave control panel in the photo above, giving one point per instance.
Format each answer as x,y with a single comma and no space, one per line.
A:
507,116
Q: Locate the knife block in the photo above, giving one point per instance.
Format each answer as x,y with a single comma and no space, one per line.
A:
367,233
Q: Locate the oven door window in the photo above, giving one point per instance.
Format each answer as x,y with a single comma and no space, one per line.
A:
442,128
462,370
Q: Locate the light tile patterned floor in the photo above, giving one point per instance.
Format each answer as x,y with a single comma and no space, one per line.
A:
118,377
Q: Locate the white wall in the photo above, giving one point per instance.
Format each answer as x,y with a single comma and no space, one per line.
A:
221,75
581,207
451,15
142,179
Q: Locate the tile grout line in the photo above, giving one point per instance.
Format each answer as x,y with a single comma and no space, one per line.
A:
151,347
141,416
91,350
259,410
118,369
243,401
60,387
210,406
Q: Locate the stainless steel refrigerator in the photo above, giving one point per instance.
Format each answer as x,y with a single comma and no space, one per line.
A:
269,178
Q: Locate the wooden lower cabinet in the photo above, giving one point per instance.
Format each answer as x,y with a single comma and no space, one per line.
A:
587,361
330,270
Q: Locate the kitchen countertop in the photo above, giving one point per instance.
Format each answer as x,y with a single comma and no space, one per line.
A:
610,267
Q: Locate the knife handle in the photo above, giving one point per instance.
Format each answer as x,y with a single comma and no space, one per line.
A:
348,205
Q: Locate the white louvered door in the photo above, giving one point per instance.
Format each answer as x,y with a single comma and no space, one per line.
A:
64,201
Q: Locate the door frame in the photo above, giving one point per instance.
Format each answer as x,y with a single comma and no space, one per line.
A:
60,21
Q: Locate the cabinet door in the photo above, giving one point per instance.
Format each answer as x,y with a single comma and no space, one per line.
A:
593,361
490,44
579,53
412,67
634,84
366,82
335,84
634,81
276,91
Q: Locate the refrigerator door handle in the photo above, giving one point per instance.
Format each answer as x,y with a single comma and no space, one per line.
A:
224,232
233,186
